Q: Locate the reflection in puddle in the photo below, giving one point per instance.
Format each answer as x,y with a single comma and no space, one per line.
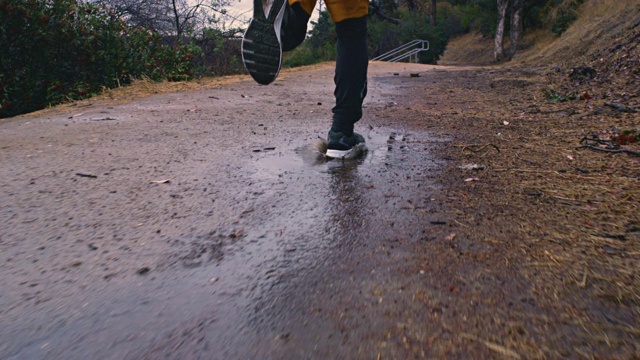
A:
315,203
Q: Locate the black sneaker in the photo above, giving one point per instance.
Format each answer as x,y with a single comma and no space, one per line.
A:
261,46
340,146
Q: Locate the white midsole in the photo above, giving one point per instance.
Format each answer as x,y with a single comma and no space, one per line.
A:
346,154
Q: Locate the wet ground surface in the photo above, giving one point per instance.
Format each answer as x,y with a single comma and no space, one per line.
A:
207,224
204,224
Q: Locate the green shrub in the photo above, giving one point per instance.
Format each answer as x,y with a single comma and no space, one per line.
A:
60,50
319,46
220,53
560,14
300,56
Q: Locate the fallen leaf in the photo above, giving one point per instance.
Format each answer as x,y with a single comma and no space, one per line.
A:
450,237
585,96
472,167
505,123
163,181
471,179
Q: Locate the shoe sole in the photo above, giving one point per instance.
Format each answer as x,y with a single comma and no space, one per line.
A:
261,46
352,153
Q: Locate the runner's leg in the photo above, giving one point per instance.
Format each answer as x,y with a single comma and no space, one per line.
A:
351,74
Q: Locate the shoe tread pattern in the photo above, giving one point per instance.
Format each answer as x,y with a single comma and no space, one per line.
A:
261,49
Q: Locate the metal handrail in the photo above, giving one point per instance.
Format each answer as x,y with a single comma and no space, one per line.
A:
392,56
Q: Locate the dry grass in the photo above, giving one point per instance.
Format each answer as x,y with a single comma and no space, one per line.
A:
599,24
144,87
470,48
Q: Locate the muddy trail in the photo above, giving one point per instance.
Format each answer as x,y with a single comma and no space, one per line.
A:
205,224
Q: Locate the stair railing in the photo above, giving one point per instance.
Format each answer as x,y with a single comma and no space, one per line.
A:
409,50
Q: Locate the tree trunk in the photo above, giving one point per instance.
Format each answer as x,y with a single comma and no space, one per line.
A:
432,12
517,7
411,4
498,51
177,19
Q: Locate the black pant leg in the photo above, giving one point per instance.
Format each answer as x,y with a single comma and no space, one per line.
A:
351,73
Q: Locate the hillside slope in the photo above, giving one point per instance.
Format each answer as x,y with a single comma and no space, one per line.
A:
600,25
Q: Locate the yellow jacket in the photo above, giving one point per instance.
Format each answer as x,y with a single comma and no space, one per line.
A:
338,9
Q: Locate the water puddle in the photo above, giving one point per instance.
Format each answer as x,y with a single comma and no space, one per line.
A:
301,210
381,143
304,197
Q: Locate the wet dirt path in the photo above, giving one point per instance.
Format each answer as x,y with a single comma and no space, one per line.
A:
204,224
